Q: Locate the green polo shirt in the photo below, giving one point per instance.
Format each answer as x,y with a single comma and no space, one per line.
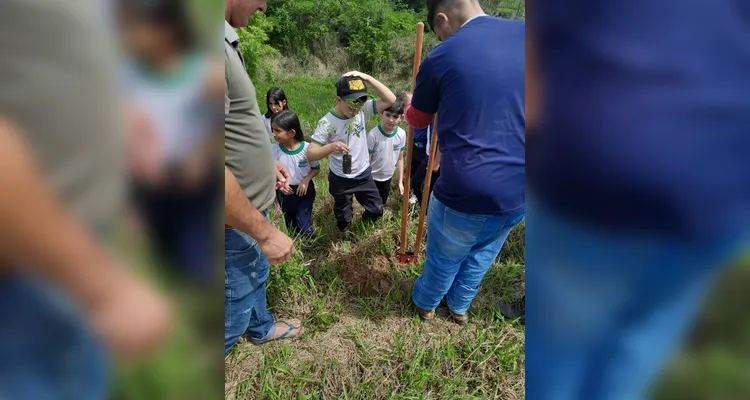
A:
58,84
248,152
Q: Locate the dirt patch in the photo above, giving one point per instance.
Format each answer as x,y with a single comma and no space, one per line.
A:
371,277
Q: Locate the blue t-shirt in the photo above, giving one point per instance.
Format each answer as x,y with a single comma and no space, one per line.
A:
474,81
646,117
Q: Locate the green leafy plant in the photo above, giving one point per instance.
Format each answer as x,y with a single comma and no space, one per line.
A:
254,47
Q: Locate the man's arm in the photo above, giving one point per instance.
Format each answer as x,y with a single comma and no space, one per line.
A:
417,119
39,234
240,213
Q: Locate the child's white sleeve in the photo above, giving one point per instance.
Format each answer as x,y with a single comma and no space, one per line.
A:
370,142
370,108
322,135
314,164
402,139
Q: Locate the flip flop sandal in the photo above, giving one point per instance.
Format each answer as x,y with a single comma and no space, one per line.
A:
283,335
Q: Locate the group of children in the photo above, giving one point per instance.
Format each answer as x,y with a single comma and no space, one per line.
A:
361,163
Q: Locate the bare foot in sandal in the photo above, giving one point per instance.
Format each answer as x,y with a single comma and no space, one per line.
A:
285,329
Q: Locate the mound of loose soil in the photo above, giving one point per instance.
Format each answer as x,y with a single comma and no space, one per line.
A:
371,277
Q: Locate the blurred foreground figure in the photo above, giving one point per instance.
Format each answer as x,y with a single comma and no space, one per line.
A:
175,90
639,184
63,298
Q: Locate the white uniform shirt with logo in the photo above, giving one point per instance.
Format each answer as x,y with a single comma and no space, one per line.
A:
295,161
352,132
386,151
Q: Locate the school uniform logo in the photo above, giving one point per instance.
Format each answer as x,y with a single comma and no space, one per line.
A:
396,147
356,84
302,163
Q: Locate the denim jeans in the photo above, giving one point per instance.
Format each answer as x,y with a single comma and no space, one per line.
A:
47,349
604,310
246,273
460,250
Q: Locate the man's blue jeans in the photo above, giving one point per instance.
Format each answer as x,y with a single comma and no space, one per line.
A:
47,349
247,271
460,250
604,310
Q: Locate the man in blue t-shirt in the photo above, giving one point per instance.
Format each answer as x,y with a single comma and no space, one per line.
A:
474,82
639,185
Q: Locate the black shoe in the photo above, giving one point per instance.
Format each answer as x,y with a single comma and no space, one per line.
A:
514,310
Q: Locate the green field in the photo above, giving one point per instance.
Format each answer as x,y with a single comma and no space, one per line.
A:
362,339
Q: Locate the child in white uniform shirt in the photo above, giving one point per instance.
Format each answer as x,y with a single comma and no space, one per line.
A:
341,135
386,143
275,102
291,150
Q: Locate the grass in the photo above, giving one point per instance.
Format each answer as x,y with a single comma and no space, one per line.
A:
362,339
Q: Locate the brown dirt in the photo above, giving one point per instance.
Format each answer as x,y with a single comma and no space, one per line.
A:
371,276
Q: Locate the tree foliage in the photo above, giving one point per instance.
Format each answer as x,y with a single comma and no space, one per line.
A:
372,35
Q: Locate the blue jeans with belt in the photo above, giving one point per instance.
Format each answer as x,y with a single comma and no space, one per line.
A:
460,250
47,349
604,310
246,273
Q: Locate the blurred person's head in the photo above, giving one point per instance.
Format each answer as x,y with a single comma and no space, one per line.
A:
153,29
445,17
275,101
392,115
286,128
238,12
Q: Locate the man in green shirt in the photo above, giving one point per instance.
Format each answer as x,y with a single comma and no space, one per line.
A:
251,241
62,296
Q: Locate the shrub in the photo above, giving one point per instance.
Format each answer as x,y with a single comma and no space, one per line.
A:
254,47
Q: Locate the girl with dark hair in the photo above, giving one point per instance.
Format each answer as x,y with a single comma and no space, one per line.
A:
291,150
275,102
176,88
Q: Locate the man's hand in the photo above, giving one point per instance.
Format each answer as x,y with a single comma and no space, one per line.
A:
277,247
338,147
131,318
282,179
302,188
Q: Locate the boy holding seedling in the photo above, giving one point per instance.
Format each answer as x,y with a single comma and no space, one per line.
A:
341,134
386,143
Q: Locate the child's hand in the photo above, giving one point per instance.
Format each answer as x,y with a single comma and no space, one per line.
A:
339,147
302,188
401,188
358,74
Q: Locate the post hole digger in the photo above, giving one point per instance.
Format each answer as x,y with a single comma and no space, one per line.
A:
404,256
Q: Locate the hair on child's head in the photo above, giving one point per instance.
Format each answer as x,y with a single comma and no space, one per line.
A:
166,13
288,120
397,107
276,95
